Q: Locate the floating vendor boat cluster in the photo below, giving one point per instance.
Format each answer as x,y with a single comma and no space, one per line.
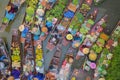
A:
11,10
64,23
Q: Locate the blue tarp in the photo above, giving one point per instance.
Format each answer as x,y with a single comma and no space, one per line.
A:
24,32
36,37
15,73
39,76
69,14
10,15
52,0
49,24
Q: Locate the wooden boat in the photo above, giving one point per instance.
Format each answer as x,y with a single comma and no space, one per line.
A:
76,34
97,28
4,60
85,28
10,12
105,59
66,65
54,65
47,26
92,38
15,55
98,2
62,26
48,4
28,57
86,7
27,24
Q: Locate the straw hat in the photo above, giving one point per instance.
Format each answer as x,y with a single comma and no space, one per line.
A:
86,50
8,8
40,12
11,78
44,29
39,46
34,29
69,37
92,56
70,60
21,28
35,78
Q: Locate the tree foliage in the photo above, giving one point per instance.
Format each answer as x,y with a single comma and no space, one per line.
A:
114,68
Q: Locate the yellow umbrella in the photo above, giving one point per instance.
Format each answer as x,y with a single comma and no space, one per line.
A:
11,78
86,50
92,56
21,28
69,37
44,29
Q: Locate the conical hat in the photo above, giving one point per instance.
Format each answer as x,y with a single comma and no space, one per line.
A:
40,12
69,37
34,29
11,78
85,50
21,28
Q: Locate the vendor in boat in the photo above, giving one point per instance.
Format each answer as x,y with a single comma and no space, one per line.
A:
78,37
12,8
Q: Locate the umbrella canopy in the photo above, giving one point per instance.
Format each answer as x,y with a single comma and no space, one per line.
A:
69,37
21,28
86,50
92,56
44,29
92,65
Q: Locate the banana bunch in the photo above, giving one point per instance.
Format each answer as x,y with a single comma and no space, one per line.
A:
39,57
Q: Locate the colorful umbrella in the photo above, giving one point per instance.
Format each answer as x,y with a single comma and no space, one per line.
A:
92,65
44,29
92,56
69,37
